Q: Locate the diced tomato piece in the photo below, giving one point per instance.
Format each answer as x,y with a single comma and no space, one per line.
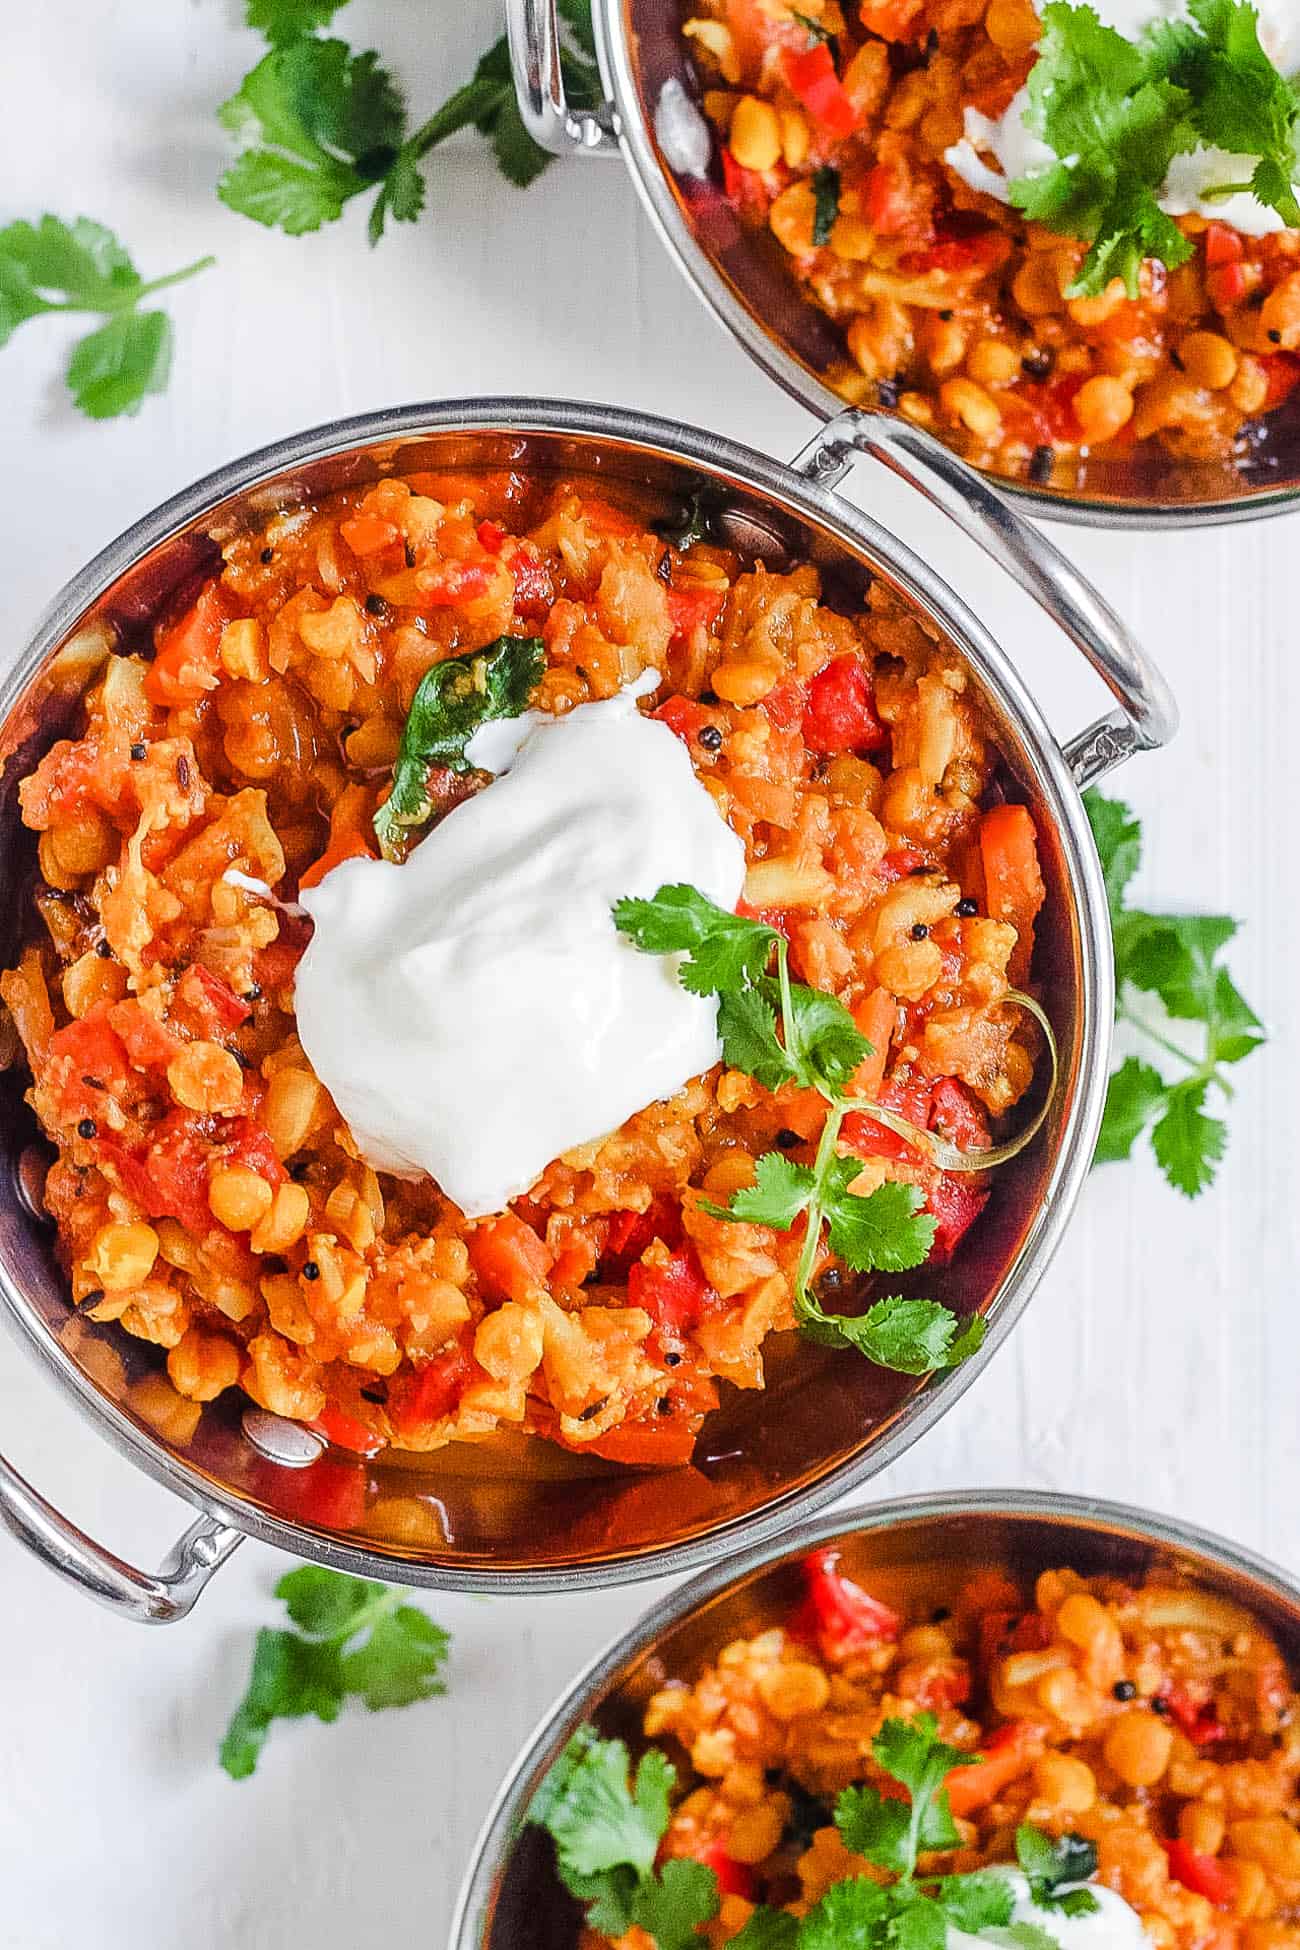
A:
841,713
698,605
534,589
1206,1875
812,78
1282,370
683,716
747,189
955,1204
957,1115
904,860
251,1145
1013,880
631,1232
210,1005
984,251
672,1290
1226,285
887,190
784,706
509,1259
908,1095
837,1614
1009,1753
432,1392
1194,1717
1222,244
455,582
1008,1631
86,1058
734,1878
345,1432
168,1179
945,1682
491,537
331,1494
369,534
188,655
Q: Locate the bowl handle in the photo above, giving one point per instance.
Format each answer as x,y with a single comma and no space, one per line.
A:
150,1600
534,32
1147,716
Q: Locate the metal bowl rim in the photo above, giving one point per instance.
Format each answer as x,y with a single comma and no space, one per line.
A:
638,147
848,524
501,1821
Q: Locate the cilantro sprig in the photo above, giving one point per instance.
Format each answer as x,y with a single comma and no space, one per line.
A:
1117,112
321,125
53,266
607,1824
1172,960
351,1637
818,1047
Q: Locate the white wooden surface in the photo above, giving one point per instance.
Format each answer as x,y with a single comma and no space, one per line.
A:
1159,1360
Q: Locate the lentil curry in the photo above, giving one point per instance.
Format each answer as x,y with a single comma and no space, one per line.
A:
833,121
208,1196
1157,1723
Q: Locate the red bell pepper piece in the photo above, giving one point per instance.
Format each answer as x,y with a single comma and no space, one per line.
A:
838,1614
509,1258
211,1003
1222,244
345,1432
1195,1718
491,537
841,711
1206,1875
688,608
432,1392
631,1232
683,717
1006,1756
955,1204
673,1291
955,1113
812,78
1282,370
1226,285
909,1096
734,1878
889,202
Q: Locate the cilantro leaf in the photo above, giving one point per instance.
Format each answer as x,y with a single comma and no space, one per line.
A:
909,1336
1118,838
848,1917
768,1929
876,1826
401,1661
598,1818
889,1229
55,266
1135,1094
747,1031
672,1905
1188,1144
1241,101
826,202
726,951
977,1902
1175,958
911,1752
781,1190
1051,1861
821,1038
453,699
280,21
314,1668
319,124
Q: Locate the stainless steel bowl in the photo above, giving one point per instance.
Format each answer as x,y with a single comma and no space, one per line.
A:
652,119
921,1549
513,1516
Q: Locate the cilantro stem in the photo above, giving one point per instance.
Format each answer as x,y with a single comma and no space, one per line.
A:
812,1235
470,104
127,300
1205,1071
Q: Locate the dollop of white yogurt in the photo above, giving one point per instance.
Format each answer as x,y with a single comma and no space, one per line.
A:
1113,1925
1017,151
474,1012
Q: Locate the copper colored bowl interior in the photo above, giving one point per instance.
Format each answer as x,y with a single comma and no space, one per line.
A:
488,1511
743,273
914,1556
